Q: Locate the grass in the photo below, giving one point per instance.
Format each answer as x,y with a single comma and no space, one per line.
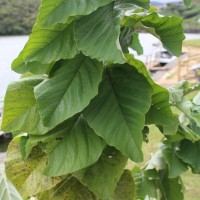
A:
193,42
190,180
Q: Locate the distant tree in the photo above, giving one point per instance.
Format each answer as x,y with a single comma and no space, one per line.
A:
17,16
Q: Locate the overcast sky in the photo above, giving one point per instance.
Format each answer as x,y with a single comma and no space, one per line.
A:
167,0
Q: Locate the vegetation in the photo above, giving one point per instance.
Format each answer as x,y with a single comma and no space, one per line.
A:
17,16
83,106
191,15
193,42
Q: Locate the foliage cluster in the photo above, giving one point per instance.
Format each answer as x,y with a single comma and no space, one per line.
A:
191,15
83,105
17,16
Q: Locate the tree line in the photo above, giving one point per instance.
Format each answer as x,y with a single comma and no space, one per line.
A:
17,16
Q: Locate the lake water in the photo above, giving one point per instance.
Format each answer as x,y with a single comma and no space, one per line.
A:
10,47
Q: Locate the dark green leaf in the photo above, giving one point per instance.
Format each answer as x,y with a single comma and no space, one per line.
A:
168,29
80,148
20,110
125,187
102,177
160,112
101,28
171,188
68,90
175,165
189,153
187,2
117,113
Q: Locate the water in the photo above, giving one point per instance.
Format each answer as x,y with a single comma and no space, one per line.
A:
9,50
10,47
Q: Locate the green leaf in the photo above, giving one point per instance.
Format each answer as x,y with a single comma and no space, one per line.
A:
47,46
7,190
80,148
102,177
175,165
125,187
168,29
54,12
187,2
50,140
69,189
144,185
117,113
142,3
101,28
20,109
160,112
136,45
171,188
189,153
26,175
69,89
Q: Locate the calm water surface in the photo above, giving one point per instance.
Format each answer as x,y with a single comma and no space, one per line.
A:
10,47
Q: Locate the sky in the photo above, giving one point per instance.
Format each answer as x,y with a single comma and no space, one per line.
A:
165,1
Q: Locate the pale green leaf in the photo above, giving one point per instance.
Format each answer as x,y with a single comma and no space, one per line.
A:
54,12
136,45
189,153
69,89
102,177
171,188
168,29
69,189
117,113
97,35
26,175
7,190
143,185
175,165
125,187
46,46
20,108
80,148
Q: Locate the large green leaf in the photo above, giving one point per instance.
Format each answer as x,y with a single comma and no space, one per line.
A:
97,35
102,177
46,46
168,29
171,188
117,113
7,190
20,109
54,12
143,184
125,187
142,3
69,189
50,140
160,112
26,175
175,165
69,89
80,148
189,153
